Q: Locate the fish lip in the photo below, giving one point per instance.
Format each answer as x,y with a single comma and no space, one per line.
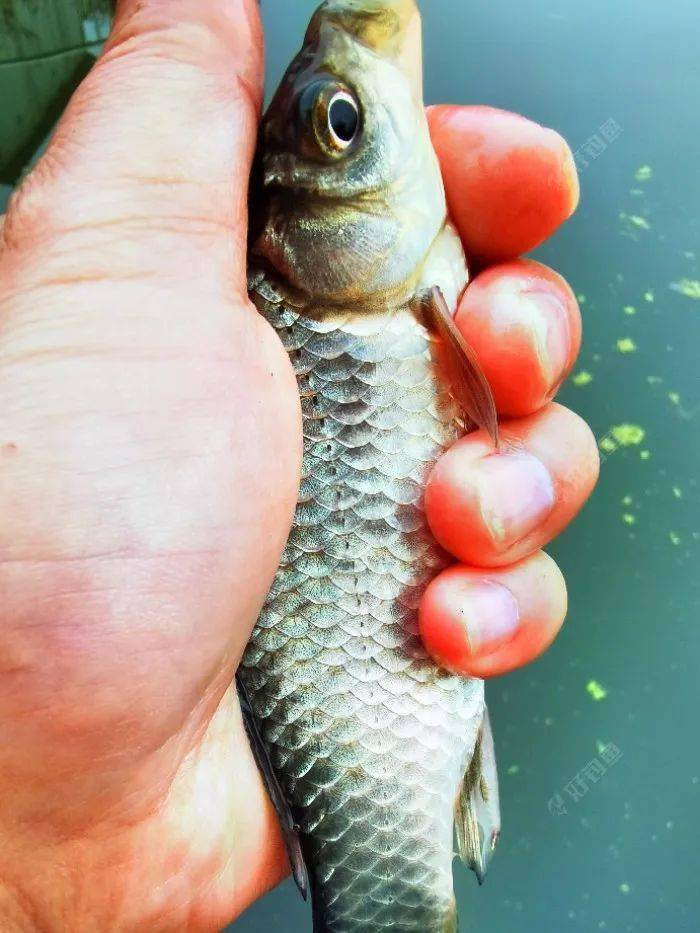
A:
363,202
279,171
304,192
279,176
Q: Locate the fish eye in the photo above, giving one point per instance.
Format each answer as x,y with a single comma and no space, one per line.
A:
333,113
343,119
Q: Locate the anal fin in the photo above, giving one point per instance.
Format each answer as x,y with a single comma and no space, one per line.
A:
477,811
290,832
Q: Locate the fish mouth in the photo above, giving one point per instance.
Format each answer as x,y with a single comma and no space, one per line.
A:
283,170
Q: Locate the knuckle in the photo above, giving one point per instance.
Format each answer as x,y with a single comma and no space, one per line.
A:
30,212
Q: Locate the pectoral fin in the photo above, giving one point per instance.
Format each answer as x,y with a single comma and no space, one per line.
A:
468,383
477,812
290,831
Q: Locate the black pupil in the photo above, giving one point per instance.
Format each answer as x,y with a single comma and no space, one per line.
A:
343,119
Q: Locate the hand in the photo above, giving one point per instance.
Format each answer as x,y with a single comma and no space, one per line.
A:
509,184
149,459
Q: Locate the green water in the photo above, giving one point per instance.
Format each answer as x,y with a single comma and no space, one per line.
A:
623,857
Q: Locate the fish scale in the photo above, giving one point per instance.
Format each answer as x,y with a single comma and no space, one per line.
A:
369,738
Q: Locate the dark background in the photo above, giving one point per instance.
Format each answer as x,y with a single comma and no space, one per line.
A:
621,81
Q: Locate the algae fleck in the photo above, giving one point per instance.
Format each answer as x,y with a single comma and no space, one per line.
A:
640,222
626,345
596,691
628,435
582,378
690,288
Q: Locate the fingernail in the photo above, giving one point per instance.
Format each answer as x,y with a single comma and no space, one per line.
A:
515,494
490,614
549,325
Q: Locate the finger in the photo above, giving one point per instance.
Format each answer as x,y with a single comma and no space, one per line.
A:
523,322
482,624
159,136
492,508
510,182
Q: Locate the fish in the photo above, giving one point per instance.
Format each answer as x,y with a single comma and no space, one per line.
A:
375,758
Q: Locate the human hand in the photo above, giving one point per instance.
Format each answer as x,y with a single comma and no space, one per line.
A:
149,456
510,183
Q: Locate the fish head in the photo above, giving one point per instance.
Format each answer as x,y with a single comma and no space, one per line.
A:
352,191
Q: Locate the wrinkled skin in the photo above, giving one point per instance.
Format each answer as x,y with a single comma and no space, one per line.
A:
149,449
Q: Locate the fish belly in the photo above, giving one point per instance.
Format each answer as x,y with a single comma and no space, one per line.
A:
370,739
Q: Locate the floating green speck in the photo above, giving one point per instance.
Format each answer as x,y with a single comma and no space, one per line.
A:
626,345
625,888
628,435
582,379
627,500
688,287
645,454
649,296
643,173
677,492
596,690
581,298
629,519
514,769
654,380
630,309
622,435
640,222
674,398
674,538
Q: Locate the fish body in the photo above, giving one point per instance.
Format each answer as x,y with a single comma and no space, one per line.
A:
369,739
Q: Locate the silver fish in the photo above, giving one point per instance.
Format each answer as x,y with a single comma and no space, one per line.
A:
377,752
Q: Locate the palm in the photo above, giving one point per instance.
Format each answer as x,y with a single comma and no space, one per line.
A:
184,515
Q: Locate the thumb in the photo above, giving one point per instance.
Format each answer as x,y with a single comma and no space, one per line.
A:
160,135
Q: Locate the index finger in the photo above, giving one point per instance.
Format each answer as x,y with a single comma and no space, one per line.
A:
509,181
